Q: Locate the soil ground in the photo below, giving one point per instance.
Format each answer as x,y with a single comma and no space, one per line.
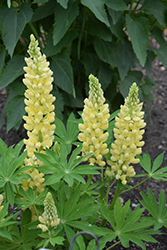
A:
155,143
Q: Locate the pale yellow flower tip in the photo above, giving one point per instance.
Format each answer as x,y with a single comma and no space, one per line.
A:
34,50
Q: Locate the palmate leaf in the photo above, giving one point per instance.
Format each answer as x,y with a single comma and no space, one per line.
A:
127,225
145,162
97,7
13,23
158,211
137,27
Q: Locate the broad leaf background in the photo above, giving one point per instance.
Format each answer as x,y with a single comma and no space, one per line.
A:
101,37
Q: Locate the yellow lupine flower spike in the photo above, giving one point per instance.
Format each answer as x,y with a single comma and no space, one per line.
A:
128,133
95,117
49,217
38,79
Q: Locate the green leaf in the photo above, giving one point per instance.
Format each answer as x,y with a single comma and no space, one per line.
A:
157,162
125,84
13,24
2,57
156,8
157,34
17,103
115,15
97,7
5,234
105,76
117,5
70,234
159,213
125,56
71,202
62,72
50,180
137,27
13,69
10,193
44,10
63,20
106,51
145,162
67,39
3,147
98,29
63,3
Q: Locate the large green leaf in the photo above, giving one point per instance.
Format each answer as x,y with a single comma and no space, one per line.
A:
13,23
125,57
98,29
137,28
125,84
117,5
62,72
2,58
13,69
161,52
44,10
156,8
63,3
51,50
16,104
106,52
97,7
63,20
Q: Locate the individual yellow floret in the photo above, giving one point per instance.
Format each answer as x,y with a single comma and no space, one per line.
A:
95,117
128,133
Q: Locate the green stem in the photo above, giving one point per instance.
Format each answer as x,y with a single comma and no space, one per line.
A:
131,5
117,193
137,5
135,185
108,189
36,211
152,26
113,245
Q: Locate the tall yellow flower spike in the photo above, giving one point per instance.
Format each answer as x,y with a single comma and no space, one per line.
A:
128,135
40,115
95,116
38,102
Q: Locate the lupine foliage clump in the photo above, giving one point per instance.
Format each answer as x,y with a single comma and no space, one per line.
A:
108,39
53,186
